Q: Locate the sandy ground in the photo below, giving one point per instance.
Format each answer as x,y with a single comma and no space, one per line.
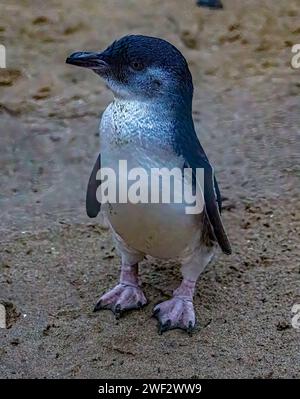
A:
55,262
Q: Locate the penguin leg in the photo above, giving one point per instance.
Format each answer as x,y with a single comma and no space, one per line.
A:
127,295
178,312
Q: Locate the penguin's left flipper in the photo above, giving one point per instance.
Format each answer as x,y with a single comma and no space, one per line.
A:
92,205
188,146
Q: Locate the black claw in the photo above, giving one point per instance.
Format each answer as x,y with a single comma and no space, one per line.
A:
97,307
155,312
160,329
118,311
168,324
164,327
139,305
190,329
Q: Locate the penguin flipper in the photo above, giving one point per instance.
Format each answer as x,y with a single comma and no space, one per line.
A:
189,147
92,205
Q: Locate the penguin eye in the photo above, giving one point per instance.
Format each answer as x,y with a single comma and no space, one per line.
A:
137,65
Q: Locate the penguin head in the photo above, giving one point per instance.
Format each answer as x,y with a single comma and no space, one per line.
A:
140,68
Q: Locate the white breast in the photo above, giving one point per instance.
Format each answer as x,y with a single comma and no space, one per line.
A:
129,131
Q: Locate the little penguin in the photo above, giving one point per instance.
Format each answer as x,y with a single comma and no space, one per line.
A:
213,4
149,124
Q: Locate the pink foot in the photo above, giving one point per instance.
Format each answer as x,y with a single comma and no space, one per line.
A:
177,312
121,298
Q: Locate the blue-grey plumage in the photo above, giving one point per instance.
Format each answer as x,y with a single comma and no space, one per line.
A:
150,124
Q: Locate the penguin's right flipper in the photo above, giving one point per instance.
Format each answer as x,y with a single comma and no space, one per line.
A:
92,204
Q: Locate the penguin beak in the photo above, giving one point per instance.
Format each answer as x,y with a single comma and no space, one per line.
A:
89,60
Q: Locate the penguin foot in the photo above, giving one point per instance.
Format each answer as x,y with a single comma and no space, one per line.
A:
177,312
122,298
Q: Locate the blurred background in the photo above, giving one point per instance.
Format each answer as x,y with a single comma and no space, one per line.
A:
55,261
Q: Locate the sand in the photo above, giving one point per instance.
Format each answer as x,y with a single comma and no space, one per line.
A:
55,262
